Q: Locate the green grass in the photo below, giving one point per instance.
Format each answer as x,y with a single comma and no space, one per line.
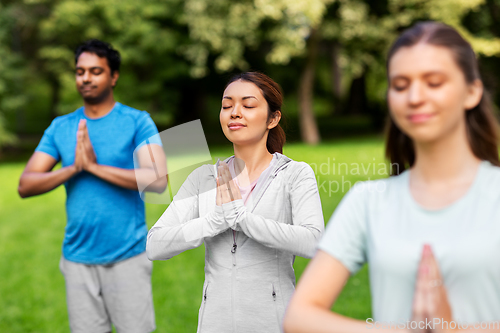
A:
32,296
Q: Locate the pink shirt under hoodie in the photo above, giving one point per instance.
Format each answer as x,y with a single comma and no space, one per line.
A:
247,190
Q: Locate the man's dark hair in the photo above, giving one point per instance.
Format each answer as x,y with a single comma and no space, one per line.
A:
102,50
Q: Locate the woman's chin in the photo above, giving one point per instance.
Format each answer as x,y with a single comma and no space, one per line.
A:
238,141
425,137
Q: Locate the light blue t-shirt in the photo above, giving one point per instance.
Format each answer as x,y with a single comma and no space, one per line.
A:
106,223
380,223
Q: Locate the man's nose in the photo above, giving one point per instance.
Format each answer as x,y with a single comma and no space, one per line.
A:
86,77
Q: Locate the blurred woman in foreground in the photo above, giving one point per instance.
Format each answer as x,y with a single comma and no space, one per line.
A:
431,234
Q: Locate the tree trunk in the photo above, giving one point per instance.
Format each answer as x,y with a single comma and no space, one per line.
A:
494,11
192,103
336,75
18,86
358,101
308,126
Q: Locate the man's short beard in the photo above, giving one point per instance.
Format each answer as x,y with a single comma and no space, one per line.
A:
98,99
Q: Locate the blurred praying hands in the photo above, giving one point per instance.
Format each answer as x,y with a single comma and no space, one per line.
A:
85,157
430,300
227,190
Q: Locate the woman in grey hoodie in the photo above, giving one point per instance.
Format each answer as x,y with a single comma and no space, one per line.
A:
255,212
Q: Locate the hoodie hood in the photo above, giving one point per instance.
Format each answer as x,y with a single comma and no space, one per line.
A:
281,163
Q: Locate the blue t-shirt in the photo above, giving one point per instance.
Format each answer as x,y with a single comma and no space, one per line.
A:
106,222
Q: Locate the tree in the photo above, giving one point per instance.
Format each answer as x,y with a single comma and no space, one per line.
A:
146,33
175,51
363,31
10,70
287,28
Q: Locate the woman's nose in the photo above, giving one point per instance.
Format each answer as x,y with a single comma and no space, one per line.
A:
416,94
236,112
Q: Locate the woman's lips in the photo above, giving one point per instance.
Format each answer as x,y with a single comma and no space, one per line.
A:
235,127
420,118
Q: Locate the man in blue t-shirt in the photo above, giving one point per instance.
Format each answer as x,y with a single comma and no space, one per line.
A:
107,274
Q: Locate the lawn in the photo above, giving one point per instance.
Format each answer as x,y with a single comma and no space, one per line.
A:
32,297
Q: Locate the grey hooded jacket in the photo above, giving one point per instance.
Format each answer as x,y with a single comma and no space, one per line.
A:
250,279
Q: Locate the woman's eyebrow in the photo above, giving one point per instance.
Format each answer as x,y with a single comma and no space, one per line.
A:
243,98
427,74
434,73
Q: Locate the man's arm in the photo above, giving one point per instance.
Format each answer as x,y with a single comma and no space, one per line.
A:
151,174
37,177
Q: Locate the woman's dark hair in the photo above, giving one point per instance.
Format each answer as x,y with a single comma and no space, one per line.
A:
481,124
102,50
274,98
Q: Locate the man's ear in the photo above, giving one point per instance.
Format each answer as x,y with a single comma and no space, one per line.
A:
274,120
114,78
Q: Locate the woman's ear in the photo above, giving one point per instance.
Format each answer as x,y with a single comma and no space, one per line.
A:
474,94
274,120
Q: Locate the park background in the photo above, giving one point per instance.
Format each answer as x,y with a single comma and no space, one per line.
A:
328,55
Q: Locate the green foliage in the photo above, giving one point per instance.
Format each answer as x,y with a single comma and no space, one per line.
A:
174,48
226,28
147,35
10,74
6,137
366,35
